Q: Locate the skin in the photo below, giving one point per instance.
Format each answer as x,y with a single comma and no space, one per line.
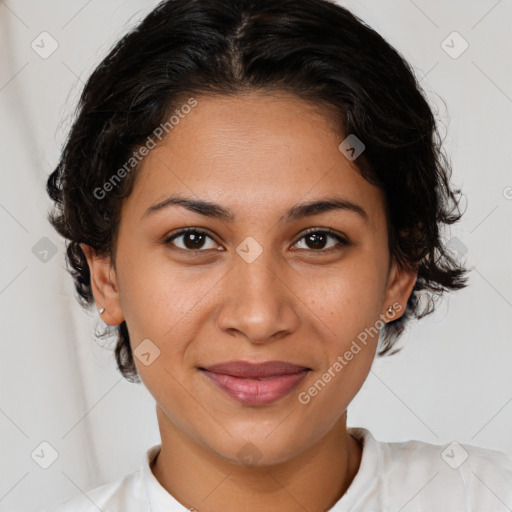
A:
298,302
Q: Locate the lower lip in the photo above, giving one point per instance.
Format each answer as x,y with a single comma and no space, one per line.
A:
256,392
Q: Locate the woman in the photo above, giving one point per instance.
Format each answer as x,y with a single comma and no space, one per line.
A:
253,194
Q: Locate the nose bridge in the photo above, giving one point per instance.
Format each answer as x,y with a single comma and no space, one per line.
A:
256,301
258,280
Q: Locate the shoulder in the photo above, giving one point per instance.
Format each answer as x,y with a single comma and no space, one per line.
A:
459,458
453,476
125,493
461,473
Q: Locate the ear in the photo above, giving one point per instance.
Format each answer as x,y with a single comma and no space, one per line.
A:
104,285
400,283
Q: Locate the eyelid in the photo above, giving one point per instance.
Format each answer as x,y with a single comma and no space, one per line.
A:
316,229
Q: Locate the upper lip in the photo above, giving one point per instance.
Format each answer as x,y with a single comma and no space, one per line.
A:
246,369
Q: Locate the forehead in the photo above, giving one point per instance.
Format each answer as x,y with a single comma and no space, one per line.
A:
252,151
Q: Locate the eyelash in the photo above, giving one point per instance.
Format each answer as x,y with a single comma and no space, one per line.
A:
342,242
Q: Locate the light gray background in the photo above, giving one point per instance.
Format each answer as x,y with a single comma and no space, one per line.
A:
453,381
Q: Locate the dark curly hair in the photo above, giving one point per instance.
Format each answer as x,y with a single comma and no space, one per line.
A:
313,49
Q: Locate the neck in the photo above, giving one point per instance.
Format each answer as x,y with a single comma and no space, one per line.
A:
199,478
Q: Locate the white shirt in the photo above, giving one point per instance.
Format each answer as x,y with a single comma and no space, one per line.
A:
406,476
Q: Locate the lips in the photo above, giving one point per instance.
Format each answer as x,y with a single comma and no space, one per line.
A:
256,383
244,369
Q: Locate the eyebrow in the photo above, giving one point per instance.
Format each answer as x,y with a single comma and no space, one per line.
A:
296,212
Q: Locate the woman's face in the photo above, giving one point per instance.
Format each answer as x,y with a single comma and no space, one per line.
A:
256,288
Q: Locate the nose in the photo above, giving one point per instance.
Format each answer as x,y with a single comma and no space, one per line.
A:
258,302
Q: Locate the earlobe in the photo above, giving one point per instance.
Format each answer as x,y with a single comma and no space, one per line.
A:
104,286
400,285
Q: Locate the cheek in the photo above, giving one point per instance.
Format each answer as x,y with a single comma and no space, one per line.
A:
169,388
347,300
158,297
346,313
328,395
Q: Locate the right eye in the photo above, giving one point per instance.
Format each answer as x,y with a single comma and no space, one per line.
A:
192,240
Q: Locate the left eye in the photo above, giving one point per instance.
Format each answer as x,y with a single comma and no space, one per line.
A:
318,239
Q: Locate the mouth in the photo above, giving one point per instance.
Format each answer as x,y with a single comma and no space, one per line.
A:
256,383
